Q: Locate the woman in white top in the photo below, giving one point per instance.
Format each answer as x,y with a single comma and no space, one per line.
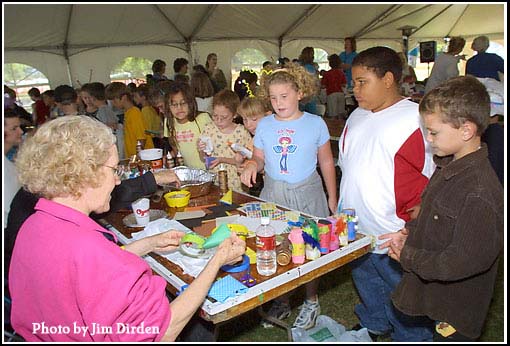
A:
445,66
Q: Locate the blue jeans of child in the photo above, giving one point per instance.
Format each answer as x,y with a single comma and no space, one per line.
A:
376,276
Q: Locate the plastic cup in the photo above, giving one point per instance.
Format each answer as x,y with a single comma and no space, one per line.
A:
141,209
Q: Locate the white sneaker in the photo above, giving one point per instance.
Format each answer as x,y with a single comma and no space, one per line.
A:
308,313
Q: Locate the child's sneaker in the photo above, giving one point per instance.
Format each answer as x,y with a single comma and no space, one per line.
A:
308,313
279,311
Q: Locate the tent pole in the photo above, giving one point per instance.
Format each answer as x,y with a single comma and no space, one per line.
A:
68,64
66,43
280,40
188,50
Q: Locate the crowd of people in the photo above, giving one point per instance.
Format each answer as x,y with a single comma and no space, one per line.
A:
439,181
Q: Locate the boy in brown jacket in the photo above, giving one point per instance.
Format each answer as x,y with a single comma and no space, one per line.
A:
450,253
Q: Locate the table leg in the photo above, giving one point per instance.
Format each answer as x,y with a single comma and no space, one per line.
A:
276,321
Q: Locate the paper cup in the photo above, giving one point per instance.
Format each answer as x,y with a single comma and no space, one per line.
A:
141,209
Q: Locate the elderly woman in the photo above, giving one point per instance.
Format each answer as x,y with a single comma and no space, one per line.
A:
483,64
68,281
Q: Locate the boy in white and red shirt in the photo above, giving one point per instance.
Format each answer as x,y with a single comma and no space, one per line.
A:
385,166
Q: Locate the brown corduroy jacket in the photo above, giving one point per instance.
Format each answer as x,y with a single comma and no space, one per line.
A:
450,257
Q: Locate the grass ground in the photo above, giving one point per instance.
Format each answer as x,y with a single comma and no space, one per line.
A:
338,297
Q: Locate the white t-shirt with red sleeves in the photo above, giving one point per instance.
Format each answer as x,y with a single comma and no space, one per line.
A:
386,164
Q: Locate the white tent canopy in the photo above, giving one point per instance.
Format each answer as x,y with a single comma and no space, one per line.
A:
69,42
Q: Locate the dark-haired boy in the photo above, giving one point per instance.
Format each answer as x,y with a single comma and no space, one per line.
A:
40,112
180,67
385,166
66,99
450,253
134,125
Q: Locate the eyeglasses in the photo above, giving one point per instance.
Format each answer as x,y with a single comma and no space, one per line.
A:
180,104
119,170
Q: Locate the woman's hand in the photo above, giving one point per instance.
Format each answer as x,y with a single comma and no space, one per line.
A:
163,242
231,250
166,176
167,241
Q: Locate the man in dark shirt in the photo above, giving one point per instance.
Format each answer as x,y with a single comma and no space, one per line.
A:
483,64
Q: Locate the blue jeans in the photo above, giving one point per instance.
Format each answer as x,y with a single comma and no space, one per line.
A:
376,276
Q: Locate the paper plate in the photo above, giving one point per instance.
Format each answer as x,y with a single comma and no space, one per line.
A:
130,220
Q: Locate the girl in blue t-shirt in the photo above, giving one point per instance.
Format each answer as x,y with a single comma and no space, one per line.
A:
288,145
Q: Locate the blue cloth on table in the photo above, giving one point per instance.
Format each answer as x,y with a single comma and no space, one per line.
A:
225,288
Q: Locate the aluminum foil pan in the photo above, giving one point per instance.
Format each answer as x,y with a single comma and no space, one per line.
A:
197,181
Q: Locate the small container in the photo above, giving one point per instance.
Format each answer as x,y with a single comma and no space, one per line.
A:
298,245
324,236
283,253
177,199
341,229
352,222
334,243
223,178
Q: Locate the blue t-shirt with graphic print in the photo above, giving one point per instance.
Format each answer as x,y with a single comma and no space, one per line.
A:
291,147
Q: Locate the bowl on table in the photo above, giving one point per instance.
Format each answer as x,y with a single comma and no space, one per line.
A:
197,181
177,199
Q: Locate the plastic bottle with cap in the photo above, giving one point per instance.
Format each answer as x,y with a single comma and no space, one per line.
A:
139,147
170,163
238,148
266,248
179,159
